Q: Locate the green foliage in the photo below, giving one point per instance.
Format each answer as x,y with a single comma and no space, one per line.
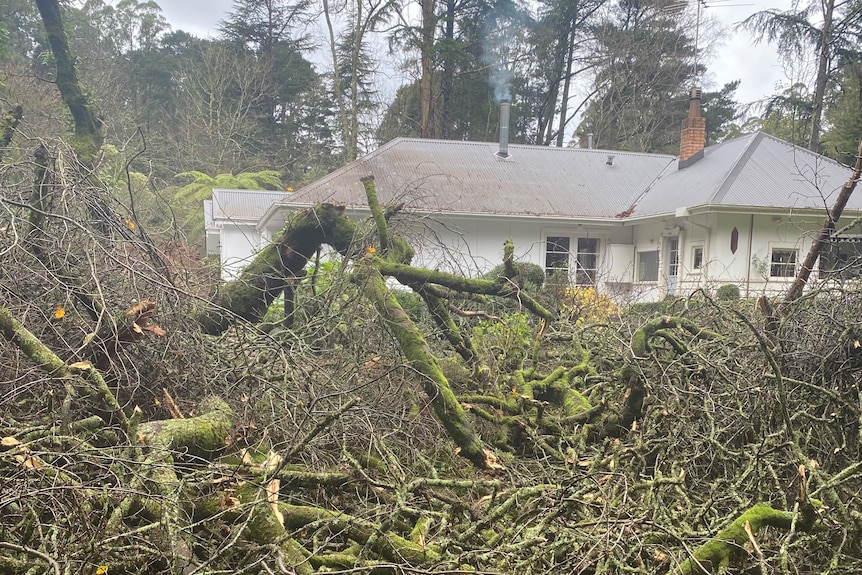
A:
504,344
727,292
786,115
843,117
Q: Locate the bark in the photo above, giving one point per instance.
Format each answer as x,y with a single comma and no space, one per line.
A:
88,137
795,290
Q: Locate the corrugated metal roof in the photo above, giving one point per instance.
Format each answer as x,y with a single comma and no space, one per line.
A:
243,204
467,177
757,170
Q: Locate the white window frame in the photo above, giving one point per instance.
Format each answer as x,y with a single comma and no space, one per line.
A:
772,263
696,269
574,272
657,264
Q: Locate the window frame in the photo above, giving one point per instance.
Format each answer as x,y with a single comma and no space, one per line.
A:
697,267
563,254
587,276
655,266
790,266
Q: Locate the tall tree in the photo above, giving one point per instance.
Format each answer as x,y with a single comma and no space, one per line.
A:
815,32
352,63
647,63
559,39
293,110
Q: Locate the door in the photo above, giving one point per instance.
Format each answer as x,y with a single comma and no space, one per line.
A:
672,265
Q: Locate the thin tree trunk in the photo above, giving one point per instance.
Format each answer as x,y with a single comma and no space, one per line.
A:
567,81
426,81
795,289
823,65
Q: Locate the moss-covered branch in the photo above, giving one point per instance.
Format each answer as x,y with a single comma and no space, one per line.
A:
270,272
203,434
409,275
50,363
414,347
715,555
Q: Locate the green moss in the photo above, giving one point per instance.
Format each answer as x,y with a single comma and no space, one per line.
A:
716,554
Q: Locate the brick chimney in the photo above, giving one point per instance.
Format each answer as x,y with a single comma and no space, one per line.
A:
693,136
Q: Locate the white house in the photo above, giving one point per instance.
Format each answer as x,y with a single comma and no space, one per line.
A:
638,226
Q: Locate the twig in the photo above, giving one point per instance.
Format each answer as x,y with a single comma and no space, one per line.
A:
35,553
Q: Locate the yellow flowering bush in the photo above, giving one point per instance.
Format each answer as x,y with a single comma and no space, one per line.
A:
583,304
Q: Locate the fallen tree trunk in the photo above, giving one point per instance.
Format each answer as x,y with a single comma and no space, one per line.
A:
272,270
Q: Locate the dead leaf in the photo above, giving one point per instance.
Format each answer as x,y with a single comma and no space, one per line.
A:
154,329
272,499
28,461
247,460
272,461
491,460
82,365
229,501
9,442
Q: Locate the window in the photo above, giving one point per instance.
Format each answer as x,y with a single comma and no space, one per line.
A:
697,258
588,261
648,266
842,257
782,263
557,254
673,257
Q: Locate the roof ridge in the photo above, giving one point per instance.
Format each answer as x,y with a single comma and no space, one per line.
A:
738,165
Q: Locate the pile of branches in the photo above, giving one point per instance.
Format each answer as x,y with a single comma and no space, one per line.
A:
151,424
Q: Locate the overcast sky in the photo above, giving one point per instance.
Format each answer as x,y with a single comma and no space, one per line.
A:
758,66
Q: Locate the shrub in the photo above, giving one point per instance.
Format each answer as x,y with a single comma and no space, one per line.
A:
530,276
727,292
586,305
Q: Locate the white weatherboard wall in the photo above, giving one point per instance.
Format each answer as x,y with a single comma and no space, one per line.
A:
239,243
473,246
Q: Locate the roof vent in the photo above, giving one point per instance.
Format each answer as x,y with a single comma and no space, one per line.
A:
504,129
610,160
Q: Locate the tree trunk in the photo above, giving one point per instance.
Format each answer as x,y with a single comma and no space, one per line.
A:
426,47
88,138
823,64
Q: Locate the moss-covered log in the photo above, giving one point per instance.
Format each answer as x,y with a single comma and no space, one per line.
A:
203,434
271,271
715,555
